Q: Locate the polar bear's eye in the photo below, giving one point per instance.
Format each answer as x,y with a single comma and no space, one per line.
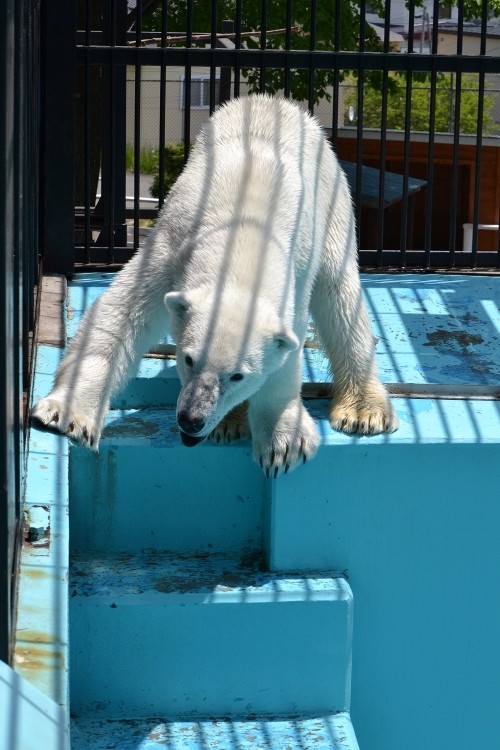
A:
188,360
237,376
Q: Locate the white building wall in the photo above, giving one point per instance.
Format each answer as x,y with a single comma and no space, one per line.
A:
174,112
150,106
447,43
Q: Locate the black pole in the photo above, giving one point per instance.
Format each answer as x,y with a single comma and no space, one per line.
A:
58,136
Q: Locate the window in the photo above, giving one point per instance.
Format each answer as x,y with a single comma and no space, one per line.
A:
444,12
200,91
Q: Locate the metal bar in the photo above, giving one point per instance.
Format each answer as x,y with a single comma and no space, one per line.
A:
137,125
31,184
21,214
19,151
109,153
433,391
359,141
312,47
430,151
279,58
263,45
383,137
163,101
456,138
479,136
407,131
7,282
58,143
114,121
406,170
420,259
336,74
213,44
225,71
87,137
237,44
288,45
187,84
411,27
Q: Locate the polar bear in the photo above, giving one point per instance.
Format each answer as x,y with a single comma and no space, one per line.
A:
257,233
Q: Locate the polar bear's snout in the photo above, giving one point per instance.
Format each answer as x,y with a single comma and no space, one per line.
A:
190,428
188,425
191,440
195,407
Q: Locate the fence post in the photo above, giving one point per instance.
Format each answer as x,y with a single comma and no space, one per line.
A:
7,251
225,72
57,209
111,206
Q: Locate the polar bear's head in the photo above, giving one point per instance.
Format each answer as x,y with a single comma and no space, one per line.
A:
227,346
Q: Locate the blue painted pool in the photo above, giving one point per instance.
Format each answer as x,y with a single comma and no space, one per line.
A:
378,562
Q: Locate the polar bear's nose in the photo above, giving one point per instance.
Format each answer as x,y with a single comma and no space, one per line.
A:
188,424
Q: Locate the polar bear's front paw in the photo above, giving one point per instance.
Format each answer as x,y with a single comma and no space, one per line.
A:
54,414
366,413
290,443
233,427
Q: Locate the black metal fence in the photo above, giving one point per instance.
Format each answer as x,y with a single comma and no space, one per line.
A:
19,152
145,74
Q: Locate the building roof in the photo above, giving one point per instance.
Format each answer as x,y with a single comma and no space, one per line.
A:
471,27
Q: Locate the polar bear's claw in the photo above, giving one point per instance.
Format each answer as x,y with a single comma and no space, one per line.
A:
292,442
277,462
369,414
233,427
52,414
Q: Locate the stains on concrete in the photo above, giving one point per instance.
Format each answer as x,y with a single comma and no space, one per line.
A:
333,732
452,341
467,350
166,573
131,426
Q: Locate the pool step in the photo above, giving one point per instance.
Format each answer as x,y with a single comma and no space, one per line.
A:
144,489
321,732
156,634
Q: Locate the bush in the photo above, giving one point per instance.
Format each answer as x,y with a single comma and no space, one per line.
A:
174,163
148,160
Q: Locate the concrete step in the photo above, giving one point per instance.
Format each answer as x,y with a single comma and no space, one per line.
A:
146,490
329,732
154,634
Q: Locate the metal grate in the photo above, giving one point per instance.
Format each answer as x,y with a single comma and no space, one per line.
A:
19,152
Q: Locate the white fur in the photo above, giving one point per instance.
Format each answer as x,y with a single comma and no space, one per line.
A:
257,232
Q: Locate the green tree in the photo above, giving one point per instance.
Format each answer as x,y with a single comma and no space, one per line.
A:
421,105
474,8
329,33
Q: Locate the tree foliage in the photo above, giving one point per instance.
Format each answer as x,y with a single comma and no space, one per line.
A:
445,105
473,9
328,33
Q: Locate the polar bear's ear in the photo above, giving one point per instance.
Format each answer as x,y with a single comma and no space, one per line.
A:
177,303
286,340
